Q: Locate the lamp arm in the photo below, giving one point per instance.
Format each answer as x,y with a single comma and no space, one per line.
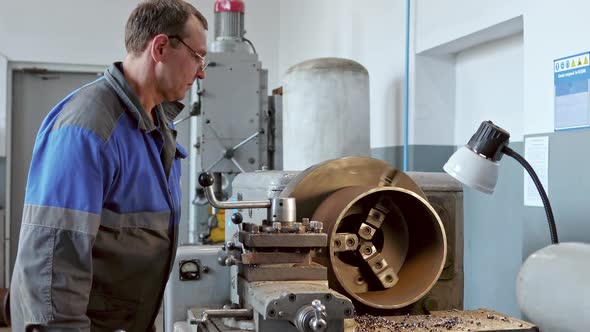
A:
552,228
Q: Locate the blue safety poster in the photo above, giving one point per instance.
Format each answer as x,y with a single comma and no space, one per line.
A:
572,107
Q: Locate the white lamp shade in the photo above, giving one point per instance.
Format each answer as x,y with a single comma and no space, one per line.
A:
473,170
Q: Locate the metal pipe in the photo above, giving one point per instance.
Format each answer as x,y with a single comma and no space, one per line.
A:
194,164
218,192
233,205
407,87
233,160
177,122
251,137
8,211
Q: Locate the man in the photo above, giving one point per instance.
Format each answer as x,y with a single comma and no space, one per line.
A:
103,194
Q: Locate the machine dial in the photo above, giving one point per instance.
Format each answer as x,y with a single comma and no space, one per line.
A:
189,269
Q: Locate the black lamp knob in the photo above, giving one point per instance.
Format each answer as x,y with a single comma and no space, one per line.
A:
489,140
237,218
206,179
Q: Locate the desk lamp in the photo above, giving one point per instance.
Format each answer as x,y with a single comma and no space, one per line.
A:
553,284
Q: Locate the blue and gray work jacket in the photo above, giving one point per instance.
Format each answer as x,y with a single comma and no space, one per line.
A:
102,206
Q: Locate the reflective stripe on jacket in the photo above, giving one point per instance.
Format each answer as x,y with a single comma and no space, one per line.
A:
101,212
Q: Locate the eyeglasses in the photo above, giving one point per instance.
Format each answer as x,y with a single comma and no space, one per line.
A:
198,57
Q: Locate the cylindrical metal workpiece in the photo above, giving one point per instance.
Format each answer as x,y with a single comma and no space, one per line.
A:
283,210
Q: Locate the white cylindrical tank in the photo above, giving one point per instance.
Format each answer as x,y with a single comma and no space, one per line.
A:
325,112
553,288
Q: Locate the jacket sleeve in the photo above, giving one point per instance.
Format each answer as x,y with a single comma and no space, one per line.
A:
69,176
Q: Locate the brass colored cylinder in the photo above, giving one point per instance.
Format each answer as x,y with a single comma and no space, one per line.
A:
387,245
385,262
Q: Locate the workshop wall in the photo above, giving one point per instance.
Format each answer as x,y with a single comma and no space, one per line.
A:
3,102
550,33
440,22
371,33
78,32
510,82
489,86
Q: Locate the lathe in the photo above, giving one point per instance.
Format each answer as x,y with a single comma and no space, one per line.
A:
347,244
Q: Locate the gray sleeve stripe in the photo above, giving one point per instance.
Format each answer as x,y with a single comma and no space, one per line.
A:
61,218
148,220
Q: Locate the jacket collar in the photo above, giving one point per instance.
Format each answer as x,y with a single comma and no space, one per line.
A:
169,110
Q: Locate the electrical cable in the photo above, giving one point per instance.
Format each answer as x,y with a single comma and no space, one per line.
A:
250,43
552,228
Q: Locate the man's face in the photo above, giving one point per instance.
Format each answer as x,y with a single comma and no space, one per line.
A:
185,61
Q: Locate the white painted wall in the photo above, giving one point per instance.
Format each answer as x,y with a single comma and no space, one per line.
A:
489,86
288,32
3,101
433,89
523,104
92,32
64,31
549,34
371,33
440,22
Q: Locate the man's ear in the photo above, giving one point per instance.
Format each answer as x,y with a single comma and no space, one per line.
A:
158,47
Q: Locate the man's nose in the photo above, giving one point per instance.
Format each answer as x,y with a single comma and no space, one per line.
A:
200,74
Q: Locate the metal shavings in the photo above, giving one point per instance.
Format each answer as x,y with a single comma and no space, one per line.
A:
443,321
368,323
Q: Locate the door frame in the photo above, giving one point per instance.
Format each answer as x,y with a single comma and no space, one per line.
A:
11,68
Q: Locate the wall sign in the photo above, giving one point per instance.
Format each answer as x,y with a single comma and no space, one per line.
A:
572,106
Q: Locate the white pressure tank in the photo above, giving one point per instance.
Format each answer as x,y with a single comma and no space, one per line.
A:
325,112
553,287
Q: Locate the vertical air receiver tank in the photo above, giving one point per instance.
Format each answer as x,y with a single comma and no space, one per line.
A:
325,112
